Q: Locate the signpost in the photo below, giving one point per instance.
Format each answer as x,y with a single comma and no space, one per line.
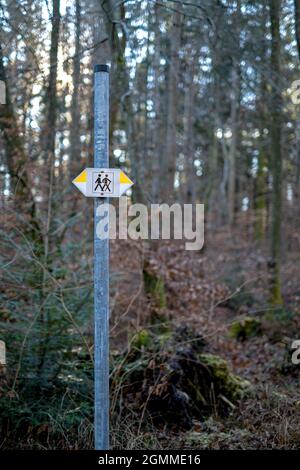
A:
101,266
101,182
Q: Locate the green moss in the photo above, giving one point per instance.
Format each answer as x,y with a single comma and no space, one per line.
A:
214,438
276,297
141,339
155,288
200,439
245,328
230,385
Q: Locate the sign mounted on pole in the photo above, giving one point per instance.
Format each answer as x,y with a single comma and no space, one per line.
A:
102,182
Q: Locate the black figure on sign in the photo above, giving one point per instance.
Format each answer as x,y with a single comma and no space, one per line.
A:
103,183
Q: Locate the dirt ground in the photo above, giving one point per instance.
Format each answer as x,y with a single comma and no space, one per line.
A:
209,291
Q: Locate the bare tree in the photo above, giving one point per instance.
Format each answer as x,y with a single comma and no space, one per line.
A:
276,146
75,109
170,153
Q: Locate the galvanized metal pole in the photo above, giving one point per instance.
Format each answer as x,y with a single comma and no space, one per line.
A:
101,265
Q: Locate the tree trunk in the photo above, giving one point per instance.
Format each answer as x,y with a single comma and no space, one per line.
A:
157,134
170,154
276,146
50,137
231,191
297,24
52,86
189,150
234,118
260,189
75,110
114,17
17,159
297,131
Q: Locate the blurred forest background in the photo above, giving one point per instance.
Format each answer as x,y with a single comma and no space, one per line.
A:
201,111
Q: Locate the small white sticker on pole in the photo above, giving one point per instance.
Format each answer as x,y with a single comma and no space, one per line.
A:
2,353
2,92
102,182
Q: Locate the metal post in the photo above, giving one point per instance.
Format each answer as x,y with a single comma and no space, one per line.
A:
101,266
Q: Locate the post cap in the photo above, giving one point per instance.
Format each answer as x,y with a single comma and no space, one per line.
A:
101,68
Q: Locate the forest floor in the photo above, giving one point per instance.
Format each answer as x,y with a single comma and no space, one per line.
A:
209,291
201,295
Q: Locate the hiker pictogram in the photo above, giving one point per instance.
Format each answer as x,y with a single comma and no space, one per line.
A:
103,183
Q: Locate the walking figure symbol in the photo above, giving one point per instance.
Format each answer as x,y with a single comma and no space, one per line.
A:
103,183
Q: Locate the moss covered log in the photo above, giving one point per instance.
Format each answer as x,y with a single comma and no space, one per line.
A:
175,380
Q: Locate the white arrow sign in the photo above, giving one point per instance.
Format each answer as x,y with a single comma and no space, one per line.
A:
102,182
